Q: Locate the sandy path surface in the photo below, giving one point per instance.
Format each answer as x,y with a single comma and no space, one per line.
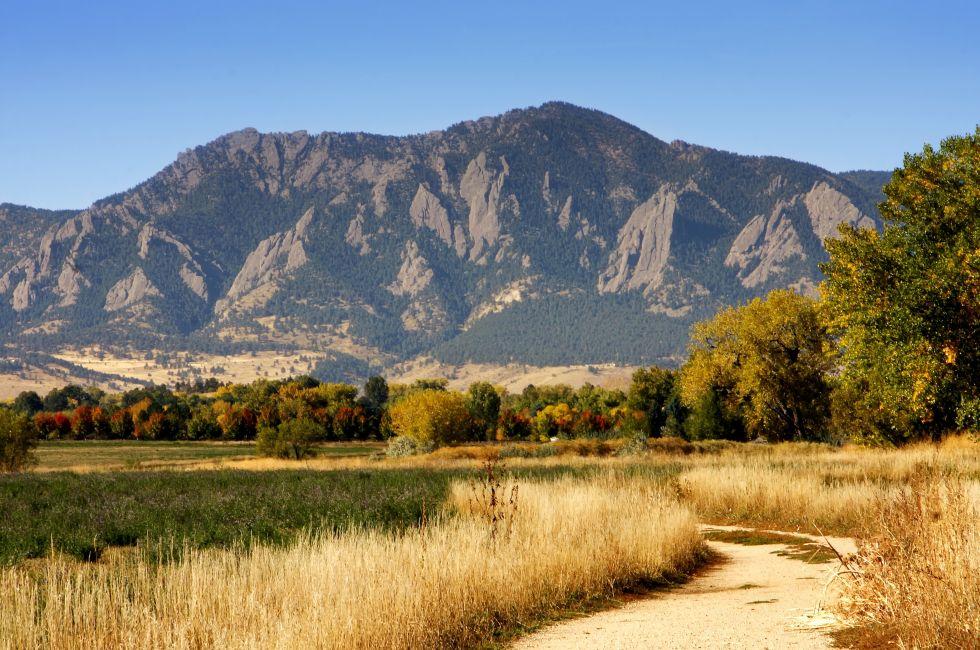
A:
752,599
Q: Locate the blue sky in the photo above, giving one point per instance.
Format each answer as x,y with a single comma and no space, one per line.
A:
96,97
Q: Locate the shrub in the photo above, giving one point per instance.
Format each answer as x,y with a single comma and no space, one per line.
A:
435,416
18,437
291,439
401,446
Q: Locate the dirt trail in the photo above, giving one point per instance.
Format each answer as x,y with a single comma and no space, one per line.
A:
754,599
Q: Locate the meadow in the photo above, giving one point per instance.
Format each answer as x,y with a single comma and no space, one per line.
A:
429,550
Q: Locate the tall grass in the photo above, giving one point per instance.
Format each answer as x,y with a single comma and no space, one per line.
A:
449,582
916,578
758,495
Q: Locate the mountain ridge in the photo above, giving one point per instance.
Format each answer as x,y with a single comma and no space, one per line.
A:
398,246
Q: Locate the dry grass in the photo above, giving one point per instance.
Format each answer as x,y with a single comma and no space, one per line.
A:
757,495
449,583
916,578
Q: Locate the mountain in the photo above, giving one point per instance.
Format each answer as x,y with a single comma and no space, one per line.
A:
554,234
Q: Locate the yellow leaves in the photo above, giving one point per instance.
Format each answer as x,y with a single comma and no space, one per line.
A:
950,354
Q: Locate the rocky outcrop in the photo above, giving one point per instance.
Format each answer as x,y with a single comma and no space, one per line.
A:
194,281
273,258
642,246
828,209
70,283
764,245
427,212
481,188
414,275
130,291
149,233
356,236
565,216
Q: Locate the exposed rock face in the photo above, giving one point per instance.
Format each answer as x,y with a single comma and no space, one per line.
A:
565,216
194,281
642,246
272,259
130,291
150,233
764,245
481,188
70,283
414,275
426,211
828,208
356,237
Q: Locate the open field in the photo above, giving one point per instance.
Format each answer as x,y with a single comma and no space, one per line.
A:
514,377
289,537
239,368
455,581
105,455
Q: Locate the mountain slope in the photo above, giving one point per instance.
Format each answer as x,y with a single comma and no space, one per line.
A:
555,231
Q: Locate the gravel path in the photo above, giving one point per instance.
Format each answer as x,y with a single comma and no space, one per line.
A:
752,599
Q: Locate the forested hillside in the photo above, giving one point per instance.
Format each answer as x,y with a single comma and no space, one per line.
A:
554,234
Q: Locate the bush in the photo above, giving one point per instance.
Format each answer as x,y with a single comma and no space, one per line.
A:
433,416
291,439
402,446
18,437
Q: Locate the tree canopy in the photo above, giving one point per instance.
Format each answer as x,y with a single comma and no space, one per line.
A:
905,302
768,361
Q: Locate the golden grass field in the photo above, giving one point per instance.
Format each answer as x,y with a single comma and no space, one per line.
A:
451,582
482,566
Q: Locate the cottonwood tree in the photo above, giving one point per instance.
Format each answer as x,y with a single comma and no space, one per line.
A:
767,361
18,437
905,302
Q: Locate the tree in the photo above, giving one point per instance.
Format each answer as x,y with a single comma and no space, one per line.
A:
436,416
649,392
18,437
293,439
768,362
376,393
484,401
905,302
203,426
711,419
28,402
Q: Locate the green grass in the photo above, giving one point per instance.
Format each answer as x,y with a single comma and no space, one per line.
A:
131,454
82,514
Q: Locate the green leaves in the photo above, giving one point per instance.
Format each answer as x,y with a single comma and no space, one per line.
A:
904,304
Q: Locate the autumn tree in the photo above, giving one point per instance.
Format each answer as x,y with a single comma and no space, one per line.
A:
767,361
436,416
905,302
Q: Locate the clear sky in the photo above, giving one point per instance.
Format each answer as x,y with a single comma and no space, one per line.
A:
97,96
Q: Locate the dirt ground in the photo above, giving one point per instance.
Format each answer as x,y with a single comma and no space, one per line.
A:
753,598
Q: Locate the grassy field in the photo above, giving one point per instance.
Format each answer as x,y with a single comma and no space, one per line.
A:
281,535
81,514
102,455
